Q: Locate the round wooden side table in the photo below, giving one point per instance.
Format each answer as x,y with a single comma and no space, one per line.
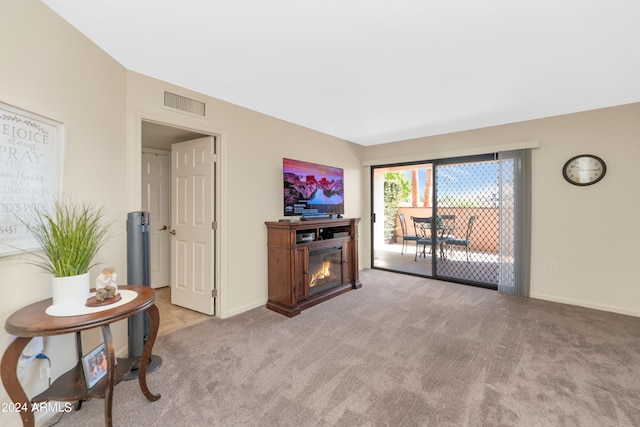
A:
32,321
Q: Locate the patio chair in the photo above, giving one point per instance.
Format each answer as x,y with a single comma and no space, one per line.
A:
423,227
463,242
446,226
405,237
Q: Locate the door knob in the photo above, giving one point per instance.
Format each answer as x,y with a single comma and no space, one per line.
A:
164,227
173,232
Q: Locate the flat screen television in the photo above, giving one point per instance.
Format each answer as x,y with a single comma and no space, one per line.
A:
311,189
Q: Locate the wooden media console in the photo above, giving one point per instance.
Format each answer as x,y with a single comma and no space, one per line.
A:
310,262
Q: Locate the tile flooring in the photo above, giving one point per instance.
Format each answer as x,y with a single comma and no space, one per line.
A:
173,317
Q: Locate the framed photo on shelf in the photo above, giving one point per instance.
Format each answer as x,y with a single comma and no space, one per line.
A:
94,365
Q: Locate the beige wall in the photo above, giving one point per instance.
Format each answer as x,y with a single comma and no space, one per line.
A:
572,226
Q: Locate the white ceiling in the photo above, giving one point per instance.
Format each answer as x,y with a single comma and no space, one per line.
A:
376,71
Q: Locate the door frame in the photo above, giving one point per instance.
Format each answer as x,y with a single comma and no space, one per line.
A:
134,190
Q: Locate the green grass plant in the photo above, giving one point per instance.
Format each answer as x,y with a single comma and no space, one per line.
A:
70,237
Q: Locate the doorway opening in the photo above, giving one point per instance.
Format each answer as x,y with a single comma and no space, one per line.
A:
180,261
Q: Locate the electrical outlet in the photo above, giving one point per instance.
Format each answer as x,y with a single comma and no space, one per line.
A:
553,267
44,373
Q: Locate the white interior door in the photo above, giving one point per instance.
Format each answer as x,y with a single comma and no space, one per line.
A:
156,179
192,253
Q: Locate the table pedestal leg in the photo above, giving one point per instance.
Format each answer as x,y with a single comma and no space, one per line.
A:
111,375
154,317
10,380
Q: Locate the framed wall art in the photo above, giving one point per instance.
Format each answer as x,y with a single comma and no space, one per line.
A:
31,168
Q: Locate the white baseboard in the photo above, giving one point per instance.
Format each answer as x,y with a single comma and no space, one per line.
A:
601,307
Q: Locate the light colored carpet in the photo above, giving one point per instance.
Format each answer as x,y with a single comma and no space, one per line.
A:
400,351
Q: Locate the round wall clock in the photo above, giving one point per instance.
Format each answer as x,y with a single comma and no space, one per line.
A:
585,169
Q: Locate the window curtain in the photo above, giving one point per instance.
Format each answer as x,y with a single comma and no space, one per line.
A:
515,222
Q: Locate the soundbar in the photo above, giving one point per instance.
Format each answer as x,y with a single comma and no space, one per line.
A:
311,217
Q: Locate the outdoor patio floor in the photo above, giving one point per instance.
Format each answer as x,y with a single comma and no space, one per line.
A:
482,267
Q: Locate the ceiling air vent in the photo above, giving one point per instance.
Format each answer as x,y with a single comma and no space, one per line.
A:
183,103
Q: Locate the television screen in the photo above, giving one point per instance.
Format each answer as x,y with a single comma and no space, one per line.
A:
312,189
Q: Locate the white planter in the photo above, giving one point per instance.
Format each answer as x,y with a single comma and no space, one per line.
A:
70,292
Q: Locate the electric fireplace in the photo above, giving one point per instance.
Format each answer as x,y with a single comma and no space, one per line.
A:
325,270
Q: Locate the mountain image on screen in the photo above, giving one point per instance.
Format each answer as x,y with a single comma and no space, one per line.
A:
310,188
306,190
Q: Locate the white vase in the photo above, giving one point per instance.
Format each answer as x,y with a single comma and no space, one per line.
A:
71,291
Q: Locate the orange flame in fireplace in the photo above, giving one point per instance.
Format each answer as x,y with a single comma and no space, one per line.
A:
323,272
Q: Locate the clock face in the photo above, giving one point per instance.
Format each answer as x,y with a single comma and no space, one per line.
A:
584,169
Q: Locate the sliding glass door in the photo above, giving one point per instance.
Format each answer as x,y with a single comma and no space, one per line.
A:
400,192
460,199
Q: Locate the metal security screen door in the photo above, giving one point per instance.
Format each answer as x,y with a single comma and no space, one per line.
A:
467,200
459,201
